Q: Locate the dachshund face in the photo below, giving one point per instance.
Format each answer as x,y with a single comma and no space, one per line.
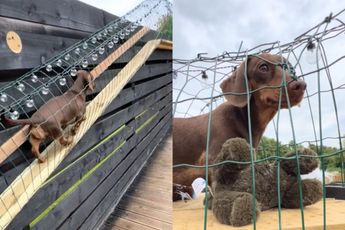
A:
267,76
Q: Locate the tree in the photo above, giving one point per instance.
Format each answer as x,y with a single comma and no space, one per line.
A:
165,26
331,162
270,147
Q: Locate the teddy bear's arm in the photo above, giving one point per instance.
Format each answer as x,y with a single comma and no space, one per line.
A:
311,192
234,208
308,162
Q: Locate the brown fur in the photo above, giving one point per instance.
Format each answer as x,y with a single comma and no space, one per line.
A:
233,201
58,113
230,119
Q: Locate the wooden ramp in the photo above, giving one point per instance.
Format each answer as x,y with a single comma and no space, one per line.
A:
147,204
189,216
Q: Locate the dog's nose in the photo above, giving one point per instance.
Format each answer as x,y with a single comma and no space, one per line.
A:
298,85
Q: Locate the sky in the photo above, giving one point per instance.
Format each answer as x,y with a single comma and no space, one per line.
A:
216,26
116,7
212,27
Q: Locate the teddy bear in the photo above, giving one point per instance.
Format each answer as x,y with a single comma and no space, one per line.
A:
232,201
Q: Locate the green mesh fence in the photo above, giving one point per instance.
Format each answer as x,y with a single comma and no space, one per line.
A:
316,123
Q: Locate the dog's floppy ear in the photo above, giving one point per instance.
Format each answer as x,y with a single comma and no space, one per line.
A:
236,83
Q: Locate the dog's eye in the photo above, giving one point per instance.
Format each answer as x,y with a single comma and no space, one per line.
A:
263,67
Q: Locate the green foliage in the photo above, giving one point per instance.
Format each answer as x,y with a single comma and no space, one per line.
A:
270,147
330,163
165,26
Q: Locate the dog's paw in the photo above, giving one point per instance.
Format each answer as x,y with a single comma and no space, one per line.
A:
41,158
74,131
66,141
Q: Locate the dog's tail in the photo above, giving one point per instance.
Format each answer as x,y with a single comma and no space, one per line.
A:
8,121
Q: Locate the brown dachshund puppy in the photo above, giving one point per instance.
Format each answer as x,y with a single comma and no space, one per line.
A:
230,119
57,113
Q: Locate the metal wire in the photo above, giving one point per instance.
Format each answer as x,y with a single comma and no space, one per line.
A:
23,96
194,93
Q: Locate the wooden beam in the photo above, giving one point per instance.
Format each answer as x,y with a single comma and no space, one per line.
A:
59,13
123,127
166,45
30,180
20,137
13,143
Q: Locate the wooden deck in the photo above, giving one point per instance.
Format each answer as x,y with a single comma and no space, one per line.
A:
147,204
189,216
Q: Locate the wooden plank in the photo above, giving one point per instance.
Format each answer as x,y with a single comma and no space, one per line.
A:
61,13
145,211
102,127
99,69
34,59
160,159
96,186
55,187
139,91
37,48
152,188
24,187
161,55
147,72
148,203
149,193
102,211
113,122
140,219
19,26
127,224
13,143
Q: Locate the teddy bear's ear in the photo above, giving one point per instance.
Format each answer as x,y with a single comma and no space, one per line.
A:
308,162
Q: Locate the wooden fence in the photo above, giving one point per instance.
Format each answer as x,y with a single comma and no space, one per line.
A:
96,173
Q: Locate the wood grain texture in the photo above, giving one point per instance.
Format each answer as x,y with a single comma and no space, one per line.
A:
60,13
20,191
58,184
189,216
102,211
131,213
99,69
87,212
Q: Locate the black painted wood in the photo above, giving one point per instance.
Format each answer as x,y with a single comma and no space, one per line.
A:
106,197
97,132
335,190
138,90
109,124
153,70
60,13
47,29
102,127
93,183
62,182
